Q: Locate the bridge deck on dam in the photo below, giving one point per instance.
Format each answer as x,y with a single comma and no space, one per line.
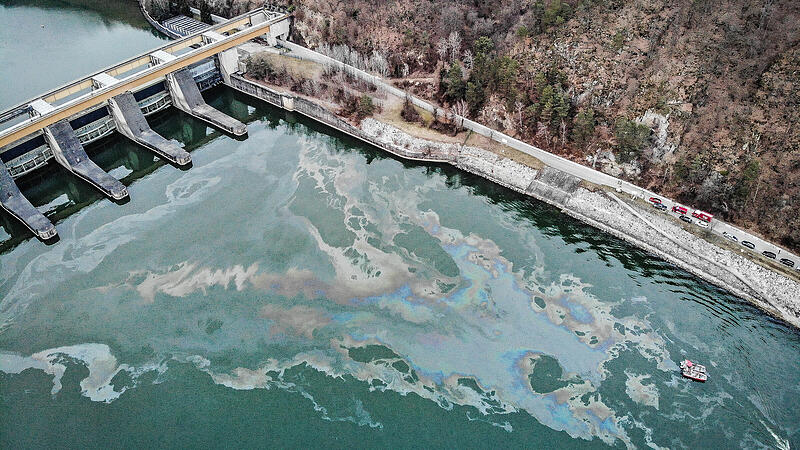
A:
147,68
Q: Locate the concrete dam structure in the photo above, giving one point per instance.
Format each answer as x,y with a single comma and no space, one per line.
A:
187,98
12,200
58,124
133,125
68,151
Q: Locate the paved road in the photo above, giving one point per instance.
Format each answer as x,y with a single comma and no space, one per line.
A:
719,227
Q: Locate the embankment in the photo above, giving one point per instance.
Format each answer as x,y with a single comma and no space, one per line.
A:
641,227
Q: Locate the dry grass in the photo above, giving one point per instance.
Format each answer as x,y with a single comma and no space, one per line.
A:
298,67
390,114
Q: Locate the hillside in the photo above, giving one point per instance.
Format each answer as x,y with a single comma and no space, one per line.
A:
696,99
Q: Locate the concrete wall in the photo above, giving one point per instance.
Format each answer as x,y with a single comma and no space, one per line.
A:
154,23
310,109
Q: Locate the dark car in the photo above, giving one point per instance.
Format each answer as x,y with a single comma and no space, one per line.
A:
660,206
748,244
787,262
768,254
686,219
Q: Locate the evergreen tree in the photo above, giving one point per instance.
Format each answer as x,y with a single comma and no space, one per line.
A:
583,127
560,106
631,138
475,97
455,83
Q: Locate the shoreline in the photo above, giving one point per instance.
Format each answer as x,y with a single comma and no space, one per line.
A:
769,291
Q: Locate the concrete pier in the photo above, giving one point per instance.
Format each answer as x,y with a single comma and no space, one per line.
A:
133,125
69,152
12,200
186,97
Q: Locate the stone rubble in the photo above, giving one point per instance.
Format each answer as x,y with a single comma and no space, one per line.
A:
504,171
769,290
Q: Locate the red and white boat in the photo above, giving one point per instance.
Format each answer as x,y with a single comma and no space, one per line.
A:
694,371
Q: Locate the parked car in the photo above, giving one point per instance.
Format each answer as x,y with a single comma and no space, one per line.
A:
749,244
702,224
702,215
787,262
686,219
660,206
768,254
680,210
655,200
730,237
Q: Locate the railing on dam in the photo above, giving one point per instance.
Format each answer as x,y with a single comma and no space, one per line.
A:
72,98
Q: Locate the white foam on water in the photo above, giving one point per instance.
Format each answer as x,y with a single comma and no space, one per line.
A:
641,393
780,443
83,253
504,425
97,358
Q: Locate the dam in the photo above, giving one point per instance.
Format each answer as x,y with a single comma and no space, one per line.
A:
301,274
57,125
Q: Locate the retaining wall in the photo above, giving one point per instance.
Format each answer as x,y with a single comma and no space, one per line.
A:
155,24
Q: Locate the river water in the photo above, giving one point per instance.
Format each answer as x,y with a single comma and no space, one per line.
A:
300,288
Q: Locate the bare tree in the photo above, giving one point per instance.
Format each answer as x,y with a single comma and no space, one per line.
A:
441,49
375,63
378,64
452,18
468,59
518,109
543,132
461,109
454,42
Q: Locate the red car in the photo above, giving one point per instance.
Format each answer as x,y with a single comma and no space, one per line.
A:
702,215
655,200
680,210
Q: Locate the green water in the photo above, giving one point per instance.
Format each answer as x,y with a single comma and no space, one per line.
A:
298,288
47,43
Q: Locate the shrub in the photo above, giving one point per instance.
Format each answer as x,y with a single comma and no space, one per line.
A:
259,67
409,113
556,13
618,41
365,107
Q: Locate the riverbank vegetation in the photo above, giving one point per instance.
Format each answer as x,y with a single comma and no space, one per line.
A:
695,100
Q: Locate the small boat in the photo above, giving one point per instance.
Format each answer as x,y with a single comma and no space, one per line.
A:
694,371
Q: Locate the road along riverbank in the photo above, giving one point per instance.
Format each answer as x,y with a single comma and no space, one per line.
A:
626,219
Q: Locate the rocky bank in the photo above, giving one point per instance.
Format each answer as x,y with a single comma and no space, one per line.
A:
653,232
